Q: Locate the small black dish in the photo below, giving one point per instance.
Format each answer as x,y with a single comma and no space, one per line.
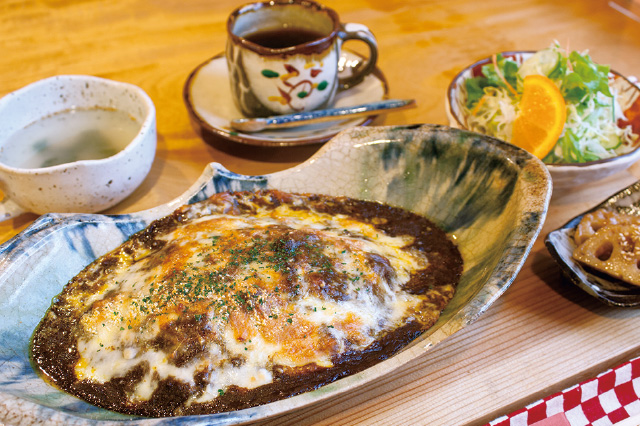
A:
561,245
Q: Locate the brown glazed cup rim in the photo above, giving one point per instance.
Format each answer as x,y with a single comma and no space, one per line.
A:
317,45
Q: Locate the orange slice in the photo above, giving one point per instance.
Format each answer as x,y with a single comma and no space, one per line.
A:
541,118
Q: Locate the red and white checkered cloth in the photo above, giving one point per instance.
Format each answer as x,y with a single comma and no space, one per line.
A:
610,398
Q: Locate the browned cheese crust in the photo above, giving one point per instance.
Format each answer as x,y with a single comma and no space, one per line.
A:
244,299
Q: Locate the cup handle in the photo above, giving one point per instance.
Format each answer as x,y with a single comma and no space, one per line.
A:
9,209
360,32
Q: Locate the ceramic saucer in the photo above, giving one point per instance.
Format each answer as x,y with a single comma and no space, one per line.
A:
207,96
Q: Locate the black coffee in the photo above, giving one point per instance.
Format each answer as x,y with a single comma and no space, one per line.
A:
278,38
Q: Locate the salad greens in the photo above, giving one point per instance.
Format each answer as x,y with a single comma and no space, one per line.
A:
591,131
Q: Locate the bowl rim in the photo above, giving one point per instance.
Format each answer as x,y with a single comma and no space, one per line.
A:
454,84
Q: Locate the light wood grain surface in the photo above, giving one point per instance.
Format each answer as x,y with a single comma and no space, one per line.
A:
541,336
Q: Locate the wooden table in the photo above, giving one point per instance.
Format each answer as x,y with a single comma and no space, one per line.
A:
543,335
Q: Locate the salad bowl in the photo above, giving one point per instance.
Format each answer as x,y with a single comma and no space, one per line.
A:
564,175
445,174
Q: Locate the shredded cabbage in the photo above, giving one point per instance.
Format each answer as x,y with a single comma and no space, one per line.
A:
591,131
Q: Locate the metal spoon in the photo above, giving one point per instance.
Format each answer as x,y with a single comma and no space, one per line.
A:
317,116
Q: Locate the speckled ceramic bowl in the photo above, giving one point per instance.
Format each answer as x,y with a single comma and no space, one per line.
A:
490,196
563,175
85,186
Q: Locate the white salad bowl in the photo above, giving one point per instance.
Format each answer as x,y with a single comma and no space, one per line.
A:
568,174
88,185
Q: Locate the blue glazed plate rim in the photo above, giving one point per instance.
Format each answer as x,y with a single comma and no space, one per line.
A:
465,314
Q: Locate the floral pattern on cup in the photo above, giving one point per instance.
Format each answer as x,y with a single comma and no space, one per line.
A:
295,85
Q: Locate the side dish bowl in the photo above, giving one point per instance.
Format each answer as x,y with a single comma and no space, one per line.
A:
563,175
93,171
561,246
491,197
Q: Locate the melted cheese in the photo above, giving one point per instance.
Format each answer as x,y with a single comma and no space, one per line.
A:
228,297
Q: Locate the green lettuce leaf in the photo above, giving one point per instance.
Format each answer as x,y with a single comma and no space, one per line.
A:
507,67
475,90
490,78
594,77
573,88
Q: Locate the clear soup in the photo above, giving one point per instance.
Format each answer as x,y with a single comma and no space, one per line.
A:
68,136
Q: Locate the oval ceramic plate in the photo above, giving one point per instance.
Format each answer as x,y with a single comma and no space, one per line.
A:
561,245
563,175
211,108
490,196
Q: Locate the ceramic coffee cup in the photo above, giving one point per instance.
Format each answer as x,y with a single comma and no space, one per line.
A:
283,56
67,167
